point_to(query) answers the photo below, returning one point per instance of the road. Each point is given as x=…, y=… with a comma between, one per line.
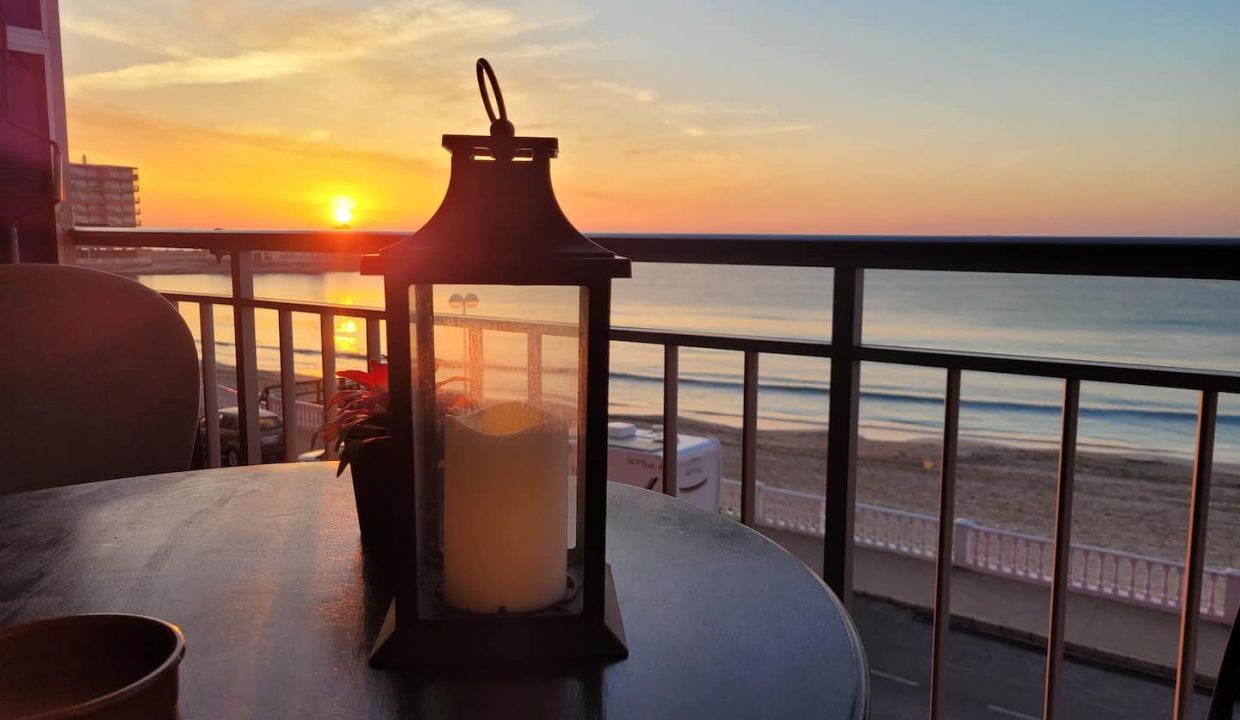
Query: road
x=993, y=679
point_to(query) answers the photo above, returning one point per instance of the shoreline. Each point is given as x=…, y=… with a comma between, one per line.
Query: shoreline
x=889, y=433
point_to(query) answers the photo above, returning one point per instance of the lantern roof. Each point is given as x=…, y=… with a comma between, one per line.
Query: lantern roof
x=499, y=220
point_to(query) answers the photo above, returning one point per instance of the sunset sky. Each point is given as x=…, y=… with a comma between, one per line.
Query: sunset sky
x=908, y=116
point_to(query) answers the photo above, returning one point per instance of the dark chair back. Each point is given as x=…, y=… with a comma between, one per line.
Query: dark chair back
x=98, y=378
x=1227, y=691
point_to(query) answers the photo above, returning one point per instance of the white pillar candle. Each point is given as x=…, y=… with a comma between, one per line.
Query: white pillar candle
x=505, y=509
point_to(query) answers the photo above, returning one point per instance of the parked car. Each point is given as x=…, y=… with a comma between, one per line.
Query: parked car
x=270, y=430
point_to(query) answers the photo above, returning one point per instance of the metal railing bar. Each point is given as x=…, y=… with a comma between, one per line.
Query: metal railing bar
x=482, y=322
x=327, y=336
x=374, y=348
x=534, y=372
x=1217, y=380
x=843, y=420
x=1123, y=256
x=671, y=411
x=288, y=386
x=943, y=562
x=1194, y=560
x=749, y=440
x=1062, y=550
x=225, y=241
x=242, y=266
x=739, y=343
x=210, y=383
x=1196, y=257
x=475, y=362
x=294, y=306
x=730, y=342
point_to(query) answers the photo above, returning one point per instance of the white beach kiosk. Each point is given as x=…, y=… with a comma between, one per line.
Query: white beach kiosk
x=635, y=457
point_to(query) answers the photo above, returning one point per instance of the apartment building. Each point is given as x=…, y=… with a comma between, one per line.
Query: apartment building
x=104, y=195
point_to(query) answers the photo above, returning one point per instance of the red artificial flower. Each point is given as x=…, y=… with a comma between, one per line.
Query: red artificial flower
x=361, y=409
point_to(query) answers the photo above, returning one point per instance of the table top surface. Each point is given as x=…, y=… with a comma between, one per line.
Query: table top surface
x=262, y=569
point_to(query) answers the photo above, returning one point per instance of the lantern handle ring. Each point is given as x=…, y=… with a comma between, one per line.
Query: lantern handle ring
x=500, y=125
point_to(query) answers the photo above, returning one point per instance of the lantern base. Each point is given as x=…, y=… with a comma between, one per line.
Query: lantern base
x=501, y=638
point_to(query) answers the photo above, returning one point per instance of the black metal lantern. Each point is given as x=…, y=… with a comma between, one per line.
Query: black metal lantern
x=499, y=418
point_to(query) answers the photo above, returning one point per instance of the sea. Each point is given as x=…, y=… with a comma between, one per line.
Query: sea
x=1161, y=322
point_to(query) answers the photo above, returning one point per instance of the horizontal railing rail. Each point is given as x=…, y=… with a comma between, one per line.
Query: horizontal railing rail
x=1195, y=257
x=849, y=256
x=317, y=308
x=1082, y=370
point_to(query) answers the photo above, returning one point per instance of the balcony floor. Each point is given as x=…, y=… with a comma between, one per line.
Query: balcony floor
x=993, y=679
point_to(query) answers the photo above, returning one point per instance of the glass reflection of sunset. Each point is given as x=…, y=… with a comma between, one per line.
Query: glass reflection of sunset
x=346, y=335
x=345, y=330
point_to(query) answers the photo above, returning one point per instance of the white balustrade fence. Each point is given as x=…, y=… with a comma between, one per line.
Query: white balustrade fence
x=309, y=414
x=1125, y=577
x=1112, y=574
x=224, y=397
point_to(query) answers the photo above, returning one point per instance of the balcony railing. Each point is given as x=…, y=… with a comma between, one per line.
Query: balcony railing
x=850, y=257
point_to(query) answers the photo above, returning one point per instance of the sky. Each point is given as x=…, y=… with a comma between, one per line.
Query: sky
x=875, y=116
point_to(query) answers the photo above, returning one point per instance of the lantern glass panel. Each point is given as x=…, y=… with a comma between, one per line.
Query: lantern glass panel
x=499, y=418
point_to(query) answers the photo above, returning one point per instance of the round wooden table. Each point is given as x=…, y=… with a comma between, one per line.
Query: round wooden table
x=262, y=569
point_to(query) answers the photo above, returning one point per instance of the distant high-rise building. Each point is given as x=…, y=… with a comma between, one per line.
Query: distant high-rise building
x=104, y=195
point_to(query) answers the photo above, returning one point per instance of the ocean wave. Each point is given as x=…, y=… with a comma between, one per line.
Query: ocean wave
x=1116, y=411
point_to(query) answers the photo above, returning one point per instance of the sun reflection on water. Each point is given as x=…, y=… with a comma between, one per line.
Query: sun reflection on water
x=345, y=333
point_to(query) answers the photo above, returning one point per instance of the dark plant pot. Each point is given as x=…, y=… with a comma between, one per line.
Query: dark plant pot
x=374, y=490
x=104, y=667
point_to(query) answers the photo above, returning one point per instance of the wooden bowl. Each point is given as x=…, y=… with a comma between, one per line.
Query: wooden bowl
x=90, y=666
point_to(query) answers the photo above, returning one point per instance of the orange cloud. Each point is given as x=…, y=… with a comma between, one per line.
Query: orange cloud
x=194, y=177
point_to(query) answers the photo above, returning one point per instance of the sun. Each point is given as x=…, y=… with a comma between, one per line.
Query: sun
x=342, y=211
